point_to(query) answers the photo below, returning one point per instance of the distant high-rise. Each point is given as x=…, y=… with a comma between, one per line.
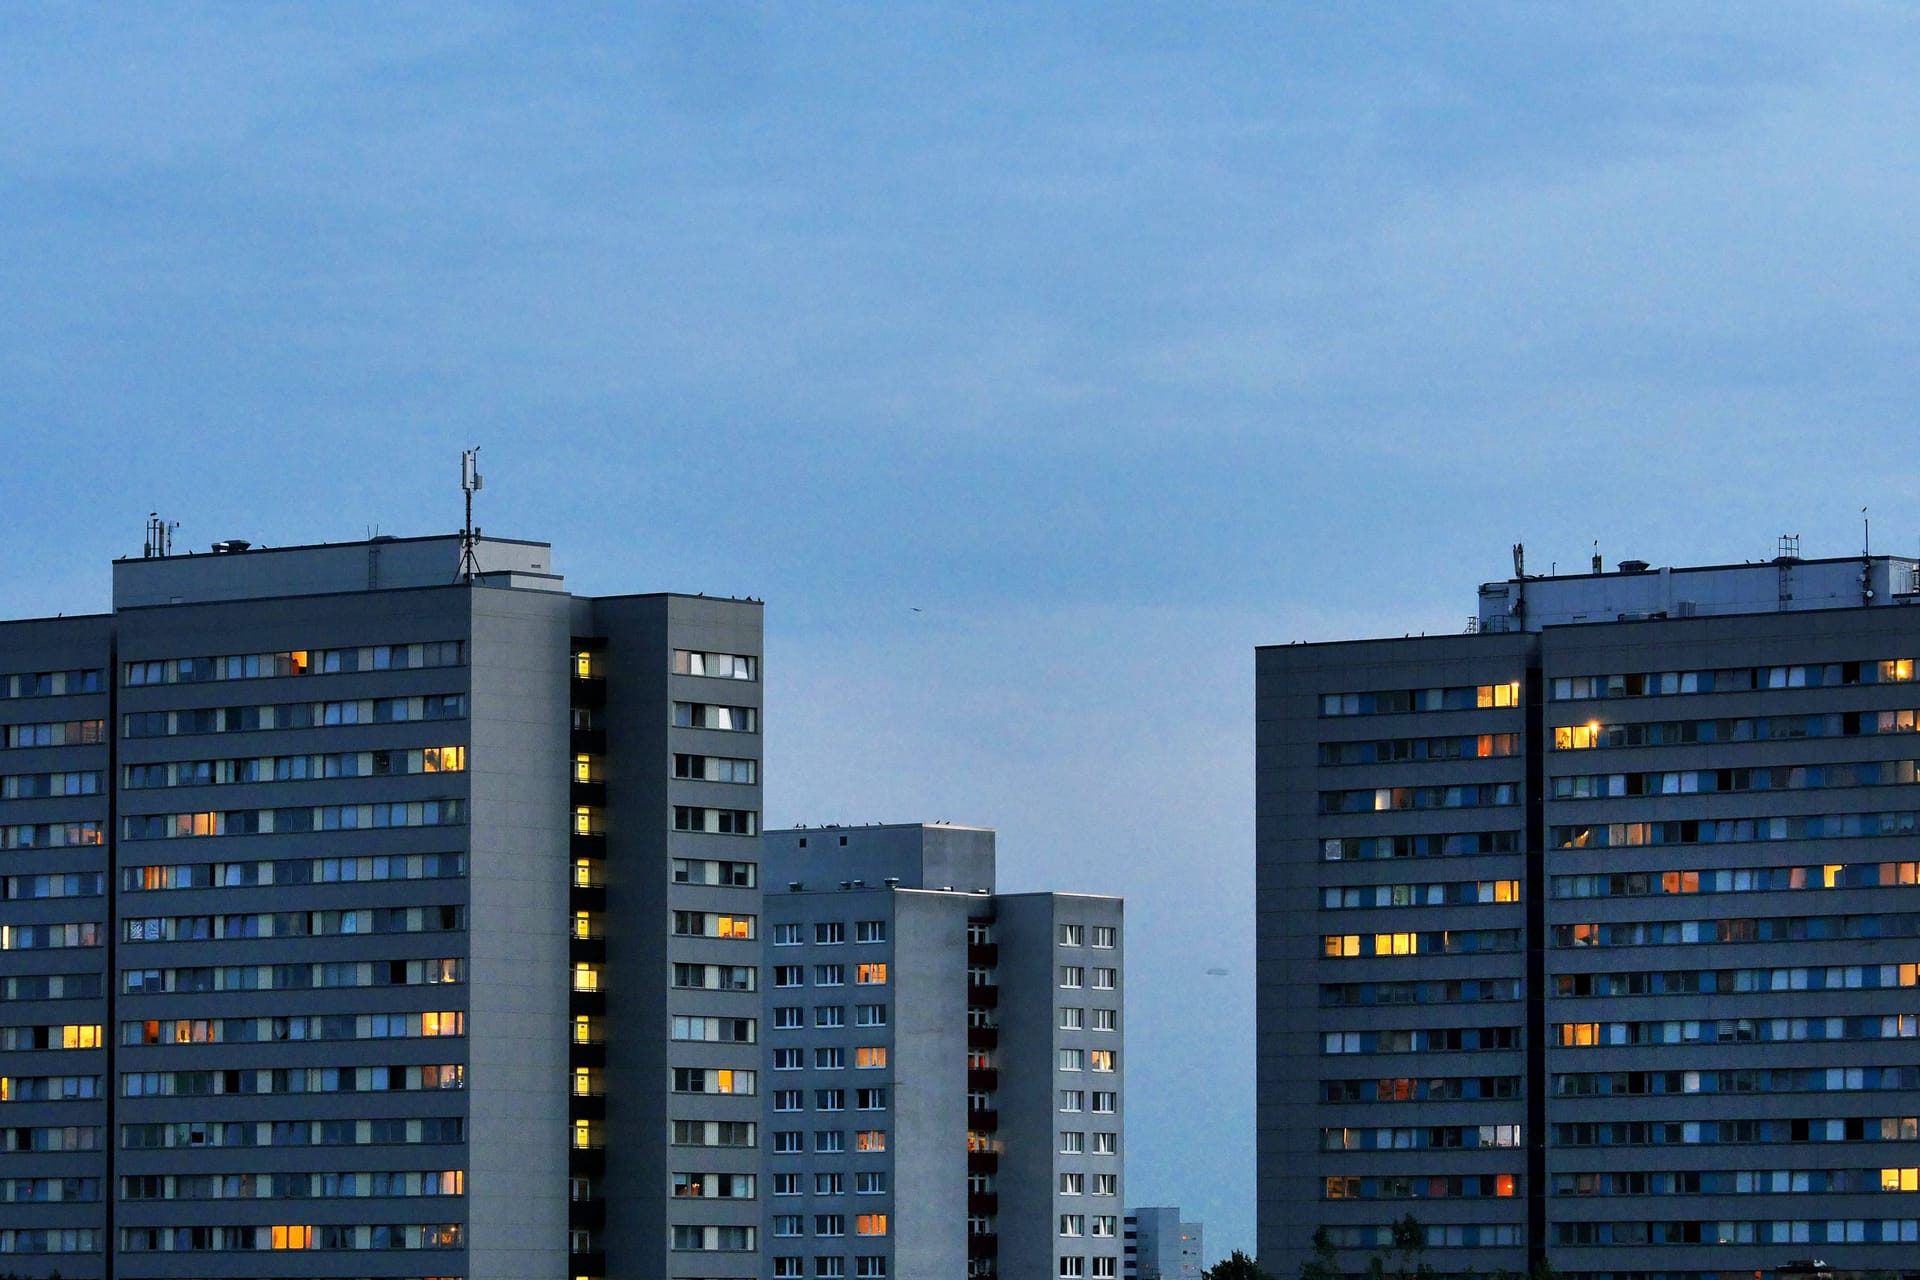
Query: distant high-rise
x=1590, y=934
x=365, y=915
x=944, y=1065
x=1162, y=1247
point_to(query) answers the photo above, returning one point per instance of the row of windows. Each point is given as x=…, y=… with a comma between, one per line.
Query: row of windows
x=406, y=1184
x=830, y=933
x=710, y=715
x=716, y=977
x=49, y=1240
x=50, y=986
x=830, y=1224
x=829, y=1141
x=714, y=769
x=1741, y=1182
x=204, y=875
x=295, y=662
x=1383, y=799
x=1077, y=1184
x=1482, y=746
x=1421, y=1089
x=50, y=835
x=72, y=884
x=1423, y=1040
x=326, y=817
x=39, y=786
x=392, y=1130
x=1687, y=782
x=48, y=1088
x=789, y=1017
x=54, y=733
x=332, y=764
x=1088, y=1059
x=1424, y=1187
x=51, y=684
x=49, y=1190
x=294, y=977
x=714, y=1080
x=715, y=1030
x=1626, y=1133
x=1635, y=1084
x=714, y=1133
x=296, y=924
x=1733, y=1030
x=331, y=1026
x=1074, y=1019
x=866, y=1182
x=1437, y=894
x=1342, y=995
x=830, y=975
x=71, y=1137
x=1649, y=684
x=724, y=666
x=30, y=937
x=68, y=1035
x=1671, y=733
x=734, y=875
x=1655, y=933
x=713, y=1186
x=1456, y=844
x=832, y=1058
x=1105, y=1101
x=1381, y=702
x=1831, y=875
x=1450, y=942
x=288, y=1080
x=1073, y=977
x=719, y=822
x=833, y=1268
x=1642, y=982
x=716, y=1239
x=1075, y=935
x=1764, y=1231
x=829, y=1099
x=1815, y=826
x=711, y=924
x=363, y=1236
x=1468, y=1235
x=294, y=715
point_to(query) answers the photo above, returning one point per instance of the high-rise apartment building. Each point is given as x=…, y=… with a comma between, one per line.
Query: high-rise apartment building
x=365, y=912
x=1591, y=934
x=944, y=1067
x=1159, y=1246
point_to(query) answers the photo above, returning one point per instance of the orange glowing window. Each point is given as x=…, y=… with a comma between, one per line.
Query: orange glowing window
x=293, y=1237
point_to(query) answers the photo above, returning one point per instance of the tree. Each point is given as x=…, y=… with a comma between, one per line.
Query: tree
x=1325, y=1262
x=1237, y=1267
x=1409, y=1242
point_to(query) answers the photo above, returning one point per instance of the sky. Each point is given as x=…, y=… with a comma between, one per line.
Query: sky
x=1032, y=362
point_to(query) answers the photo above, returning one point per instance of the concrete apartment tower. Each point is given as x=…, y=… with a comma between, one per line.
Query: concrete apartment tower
x=1162, y=1247
x=1590, y=934
x=371, y=913
x=944, y=1066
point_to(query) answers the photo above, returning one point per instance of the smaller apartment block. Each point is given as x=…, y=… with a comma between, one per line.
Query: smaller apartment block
x=944, y=1084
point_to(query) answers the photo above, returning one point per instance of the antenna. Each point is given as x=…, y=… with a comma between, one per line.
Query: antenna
x=159, y=536
x=469, y=485
x=1519, y=559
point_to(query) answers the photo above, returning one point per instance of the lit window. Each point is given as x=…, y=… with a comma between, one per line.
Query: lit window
x=872, y=975
x=871, y=1224
x=870, y=1140
x=292, y=1237
x=870, y=1056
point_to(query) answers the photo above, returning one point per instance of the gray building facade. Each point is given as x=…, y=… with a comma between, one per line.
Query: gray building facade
x=1589, y=935
x=1159, y=1246
x=944, y=1069
x=361, y=918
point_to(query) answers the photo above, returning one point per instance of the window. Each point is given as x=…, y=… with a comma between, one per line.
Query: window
x=829, y=1140
x=787, y=1099
x=1105, y=1019
x=708, y=715
x=1072, y=935
x=870, y=931
x=1100, y=1059
x=1105, y=935
x=1106, y=1143
x=829, y=1015
x=723, y=666
x=786, y=935
x=829, y=975
x=1103, y=1267
x=830, y=933
x=1104, y=1102
x=870, y=1057
x=1072, y=976
x=1103, y=979
x=832, y=1058
x=1073, y=1059
x=786, y=1224
x=1073, y=1225
x=788, y=975
x=870, y=975
x=870, y=1266
x=870, y=1140
x=1072, y=1100
x=870, y=1015
x=787, y=1059
x=786, y=1184
x=829, y=1099
x=871, y=1099
x=786, y=1141
x=829, y=1184
x=1071, y=1019
x=829, y=1224
x=786, y=1017
x=1106, y=1184
x=870, y=1182
x=1073, y=1184
x=870, y=1224
x=1072, y=1143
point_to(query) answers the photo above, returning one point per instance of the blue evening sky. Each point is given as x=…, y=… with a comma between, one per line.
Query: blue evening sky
x=1115, y=339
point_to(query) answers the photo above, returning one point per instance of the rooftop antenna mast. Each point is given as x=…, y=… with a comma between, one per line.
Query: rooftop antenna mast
x=469, y=536
x=159, y=536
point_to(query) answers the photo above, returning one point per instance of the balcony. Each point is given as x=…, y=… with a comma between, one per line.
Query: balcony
x=983, y=1121
x=983, y=1246
x=983, y=1162
x=983, y=1204
x=587, y=1106
x=983, y=1037
x=593, y=794
x=983, y=997
x=983, y=955
x=587, y=691
x=587, y=742
x=983, y=1079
